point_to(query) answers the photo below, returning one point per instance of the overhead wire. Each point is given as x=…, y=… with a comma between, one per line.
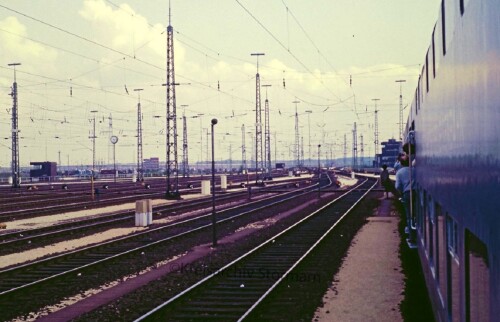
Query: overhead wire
x=286, y=49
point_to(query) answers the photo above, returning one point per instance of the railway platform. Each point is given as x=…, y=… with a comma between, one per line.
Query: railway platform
x=370, y=283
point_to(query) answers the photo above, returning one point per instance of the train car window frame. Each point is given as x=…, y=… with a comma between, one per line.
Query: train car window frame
x=423, y=219
x=441, y=254
x=443, y=27
x=421, y=85
x=433, y=55
x=452, y=270
x=427, y=72
x=452, y=237
x=432, y=234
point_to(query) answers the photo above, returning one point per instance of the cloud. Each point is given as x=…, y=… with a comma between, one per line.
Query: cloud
x=128, y=31
x=17, y=47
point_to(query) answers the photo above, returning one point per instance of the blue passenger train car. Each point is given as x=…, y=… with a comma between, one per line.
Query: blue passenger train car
x=455, y=116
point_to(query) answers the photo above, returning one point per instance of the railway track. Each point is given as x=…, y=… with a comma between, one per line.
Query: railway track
x=28, y=205
x=21, y=240
x=17, y=284
x=236, y=291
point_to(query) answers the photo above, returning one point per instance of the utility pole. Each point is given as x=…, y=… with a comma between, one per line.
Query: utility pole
x=319, y=171
x=230, y=158
x=244, y=166
x=345, y=150
x=401, y=81
x=207, y=137
x=252, y=161
x=309, y=129
x=267, y=131
x=275, y=147
x=15, y=169
x=297, y=136
x=93, y=137
x=354, y=147
x=362, y=150
x=110, y=132
x=259, y=160
x=199, y=115
x=185, y=162
x=172, y=190
x=376, y=130
x=301, y=151
x=140, y=160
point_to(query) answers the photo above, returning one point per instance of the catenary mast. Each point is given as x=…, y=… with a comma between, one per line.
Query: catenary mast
x=259, y=156
x=16, y=176
x=400, y=81
x=140, y=159
x=171, y=118
x=297, y=136
x=267, y=131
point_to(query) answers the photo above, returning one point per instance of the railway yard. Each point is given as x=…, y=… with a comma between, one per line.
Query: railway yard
x=65, y=258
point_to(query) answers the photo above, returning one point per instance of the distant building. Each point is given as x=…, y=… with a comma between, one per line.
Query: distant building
x=43, y=169
x=151, y=164
x=389, y=155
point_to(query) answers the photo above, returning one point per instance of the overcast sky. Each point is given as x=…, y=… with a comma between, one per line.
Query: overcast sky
x=334, y=57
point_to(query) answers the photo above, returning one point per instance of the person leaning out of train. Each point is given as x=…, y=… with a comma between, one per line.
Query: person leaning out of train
x=397, y=164
x=405, y=184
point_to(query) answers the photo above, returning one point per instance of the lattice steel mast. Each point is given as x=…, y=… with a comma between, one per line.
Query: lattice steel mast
x=259, y=159
x=400, y=81
x=185, y=162
x=171, y=118
x=354, y=147
x=362, y=150
x=243, y=150
x=376, y=130
x=140, y=160
x=16, y=176
x=297, y=136
x=267, y=131
x=345, y=150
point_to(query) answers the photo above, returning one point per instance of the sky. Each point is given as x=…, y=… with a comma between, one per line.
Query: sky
x=82, y=59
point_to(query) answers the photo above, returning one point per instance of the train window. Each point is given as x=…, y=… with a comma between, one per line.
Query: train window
x=427, y=72
x=421, y=85
x=433, y=56
x=443, y=29
x=423, y=216
x=418, y=96
x=430, y=231
x=453, y=270
x=477, y=274
x=441, y=252
x=463, y=4
x=416, y=100
x=452, y=236
x=418, y=209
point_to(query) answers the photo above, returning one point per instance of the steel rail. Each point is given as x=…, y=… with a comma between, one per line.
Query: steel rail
x=270, y=243
x=7, y=286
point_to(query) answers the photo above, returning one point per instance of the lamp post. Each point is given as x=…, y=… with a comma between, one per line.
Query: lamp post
x=114, y=140
x=214, y=235
x=319, y=172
